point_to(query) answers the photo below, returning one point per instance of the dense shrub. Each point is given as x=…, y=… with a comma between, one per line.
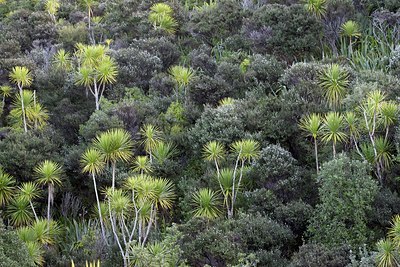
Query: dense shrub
x=288, y=32
x=244, y=235
x=136, y=67
x=208, y=90
x=315, y=255
x=216, y=22
x=163, y=48
x=278, y=171
x=20, y=152
x=221, y=124
x=13, y=252
x=264, y=72
x=347, y=192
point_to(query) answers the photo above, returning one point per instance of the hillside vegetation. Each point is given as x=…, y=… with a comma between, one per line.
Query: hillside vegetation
x=199, y=133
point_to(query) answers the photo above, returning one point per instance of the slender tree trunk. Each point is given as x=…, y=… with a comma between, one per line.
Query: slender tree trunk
x=116, y=235
x=103, y=232
x=350, y=48
x=230, y=214
x=96, y=95
x=33, y=209
x=357, y=148
x=113, y=175
x=226, y=198
x=49, y=200
x=34, y=103
x=386, y=133
x=316, y=154
x=334, y=149
x=23, y=108
x=234, y=195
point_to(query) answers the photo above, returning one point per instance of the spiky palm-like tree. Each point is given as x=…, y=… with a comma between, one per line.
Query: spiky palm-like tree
x=96, y=70
x=151, y=135
x=7, y=183
x=205, y=202
x=35, y=251
x=30, y=191
x=52, y=7
x=141, y=165
x=334, y=81
x=114, y=145
x=214, y=152
x=333, y=130
x=352, y=125
x=245, y=150
x=89, y=4
x=49, y=173
x=162, y=197
x=388, y=249
x=163, y=151
x=164, y=194
x=389, y=115
x=35, y=114
x=93, y=163
x=316, y=7
x=62, y=60
x=182, y=76
x=383, y=149
x=312, y=125
x=161, y=16
x=387, y=254
x=19, y=211
x=22, y=77
x=370, y=109
x=351, y=30
x=5, y=92
x=226, y=101
x=45, y=231
x=226, y=180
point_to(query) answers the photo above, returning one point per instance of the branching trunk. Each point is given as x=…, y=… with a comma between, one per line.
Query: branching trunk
x=234, y=195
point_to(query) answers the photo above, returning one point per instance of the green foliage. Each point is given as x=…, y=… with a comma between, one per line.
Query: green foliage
x=221, y=124
x=7, y=183
x=244, y=235
x=36, y=115
x=350, y=29
x=114, y=145
x=315, y=255
x=316, y=7
x=13, y=252
x=288, y=32
x=335, y=82
x=346, y=194
x=19, y=211
x=222, y=98
x=136, y=67
x=161, y=17
x=277, y=170
x=215, y=22
x=32, y=148
x=165, y=252
x=206, y=204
